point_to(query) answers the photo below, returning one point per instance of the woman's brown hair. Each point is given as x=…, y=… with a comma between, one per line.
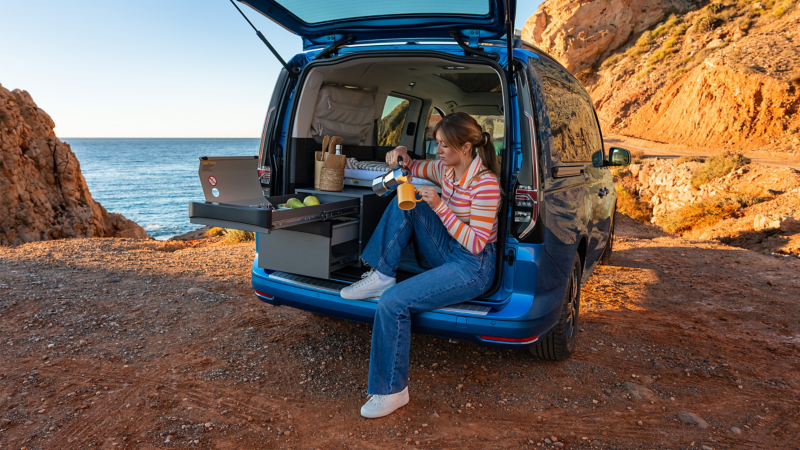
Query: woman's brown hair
x=458, y=129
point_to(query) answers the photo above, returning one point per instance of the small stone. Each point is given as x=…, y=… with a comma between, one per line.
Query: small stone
x=196, y=291
x=692, y=419
x=558, y=444
x=640, y=423
x=5, y=421
x=638, y=391
x=736, y=431
x=547, y=440
x=287, y=433
x=705, y=447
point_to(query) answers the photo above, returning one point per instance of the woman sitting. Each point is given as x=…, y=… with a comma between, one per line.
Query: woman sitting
x=457, y=235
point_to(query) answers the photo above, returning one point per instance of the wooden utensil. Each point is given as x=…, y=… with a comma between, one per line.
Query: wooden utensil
x=335, y=161
x=325, y=141
x=320, y=162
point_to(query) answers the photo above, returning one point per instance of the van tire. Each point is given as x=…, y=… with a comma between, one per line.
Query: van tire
x=605, y=258
x=560, y=343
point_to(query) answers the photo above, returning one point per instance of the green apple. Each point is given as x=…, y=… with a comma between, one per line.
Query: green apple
x=295, y=203
x=311, y=201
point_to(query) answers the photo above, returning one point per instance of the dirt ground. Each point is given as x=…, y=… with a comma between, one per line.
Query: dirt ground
x=115, y=343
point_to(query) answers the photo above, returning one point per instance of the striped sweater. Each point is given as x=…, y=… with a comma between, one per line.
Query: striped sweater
x=469, y=207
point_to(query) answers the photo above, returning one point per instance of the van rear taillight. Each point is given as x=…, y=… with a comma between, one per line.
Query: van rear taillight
x=267, y=296
x=525, y=340
x=525, y=210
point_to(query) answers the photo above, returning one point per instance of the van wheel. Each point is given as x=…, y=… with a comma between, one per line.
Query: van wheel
x=560, y=343
x=605, y=258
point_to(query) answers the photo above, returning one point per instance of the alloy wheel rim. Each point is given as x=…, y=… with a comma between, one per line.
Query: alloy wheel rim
x=572, y=311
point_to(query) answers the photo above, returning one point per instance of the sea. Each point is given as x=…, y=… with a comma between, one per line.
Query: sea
x=151, y=181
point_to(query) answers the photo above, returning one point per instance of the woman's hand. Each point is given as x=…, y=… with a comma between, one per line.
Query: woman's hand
x=391, y=156
x=430, y=196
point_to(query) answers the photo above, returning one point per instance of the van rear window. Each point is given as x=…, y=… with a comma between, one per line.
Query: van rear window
x=318, y=11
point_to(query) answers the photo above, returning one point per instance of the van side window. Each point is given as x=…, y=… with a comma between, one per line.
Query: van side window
x=434, y=117
x=495, y=126
x=392, y=122
x=572, y=122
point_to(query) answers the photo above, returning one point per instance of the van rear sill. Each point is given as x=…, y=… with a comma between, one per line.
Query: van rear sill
x=313, y=283
x=334, y=288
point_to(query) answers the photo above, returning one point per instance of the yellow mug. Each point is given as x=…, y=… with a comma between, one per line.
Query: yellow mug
x=407, y=196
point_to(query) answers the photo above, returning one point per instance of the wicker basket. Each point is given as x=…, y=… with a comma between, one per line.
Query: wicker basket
x=331, y=179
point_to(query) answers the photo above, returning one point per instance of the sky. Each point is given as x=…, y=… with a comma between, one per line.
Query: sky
x=147, y=68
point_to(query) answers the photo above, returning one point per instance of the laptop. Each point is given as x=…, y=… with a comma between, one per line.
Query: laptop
x=232, y=180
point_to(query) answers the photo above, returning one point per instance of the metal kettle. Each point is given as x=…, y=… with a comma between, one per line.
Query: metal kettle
x=386, y=183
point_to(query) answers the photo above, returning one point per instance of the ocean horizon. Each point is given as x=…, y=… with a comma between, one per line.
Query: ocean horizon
x=151, y=180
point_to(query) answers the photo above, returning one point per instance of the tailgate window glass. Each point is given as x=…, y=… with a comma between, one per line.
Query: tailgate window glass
x=392, y=121
x=317, y=11
x=572, y=122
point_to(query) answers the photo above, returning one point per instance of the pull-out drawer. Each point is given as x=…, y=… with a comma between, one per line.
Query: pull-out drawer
x=255, y=215
x=312, y=249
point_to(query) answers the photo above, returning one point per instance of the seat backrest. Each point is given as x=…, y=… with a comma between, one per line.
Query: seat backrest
x=345, y=112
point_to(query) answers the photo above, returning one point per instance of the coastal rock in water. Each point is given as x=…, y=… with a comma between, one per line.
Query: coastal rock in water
x=43, y=194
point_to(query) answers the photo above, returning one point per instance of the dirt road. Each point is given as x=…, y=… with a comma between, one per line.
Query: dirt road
x=101, y=346
x=651, y=149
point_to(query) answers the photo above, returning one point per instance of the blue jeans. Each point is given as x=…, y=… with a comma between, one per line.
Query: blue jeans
x=457, y=276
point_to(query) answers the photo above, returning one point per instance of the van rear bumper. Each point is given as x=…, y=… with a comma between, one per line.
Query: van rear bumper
x=482, y=330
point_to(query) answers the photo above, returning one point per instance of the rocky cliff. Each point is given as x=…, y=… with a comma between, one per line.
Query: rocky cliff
x=581, y=33
x=712, y=75
x=42, y=192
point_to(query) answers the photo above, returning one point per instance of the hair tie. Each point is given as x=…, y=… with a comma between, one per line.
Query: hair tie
x=486, y=139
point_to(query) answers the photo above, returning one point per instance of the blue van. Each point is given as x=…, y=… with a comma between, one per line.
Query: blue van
x=380, y=74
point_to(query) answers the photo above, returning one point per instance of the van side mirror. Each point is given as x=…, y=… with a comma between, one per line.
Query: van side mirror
x=618, y=157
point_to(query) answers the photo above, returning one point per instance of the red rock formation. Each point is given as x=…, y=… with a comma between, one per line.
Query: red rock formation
x=581, y=33
x=719, y=76
x=43, y=194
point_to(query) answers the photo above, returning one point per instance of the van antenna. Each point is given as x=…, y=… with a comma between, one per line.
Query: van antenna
x=265, y=41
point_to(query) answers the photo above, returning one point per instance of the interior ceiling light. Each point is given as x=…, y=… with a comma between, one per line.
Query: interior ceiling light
x=412, y=84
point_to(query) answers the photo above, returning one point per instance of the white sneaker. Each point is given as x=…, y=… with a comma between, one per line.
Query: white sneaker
x=383, y=405
x=370, y=286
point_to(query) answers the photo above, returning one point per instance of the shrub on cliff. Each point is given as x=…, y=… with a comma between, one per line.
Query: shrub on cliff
x=718, y=166
x=214, y=232
x=642, y=45
x=628, y=204
x=705, y=213
x=238, y=236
